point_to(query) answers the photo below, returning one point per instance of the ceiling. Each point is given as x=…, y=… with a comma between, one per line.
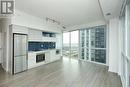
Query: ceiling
x=111, y=6
x=68, y=12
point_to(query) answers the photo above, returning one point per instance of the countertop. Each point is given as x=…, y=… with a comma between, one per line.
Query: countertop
x=41, y=51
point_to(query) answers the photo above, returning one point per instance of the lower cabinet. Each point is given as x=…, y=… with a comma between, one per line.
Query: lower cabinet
x=31, y=60
x=47, y=58
x=54, y=56
x=50, y=56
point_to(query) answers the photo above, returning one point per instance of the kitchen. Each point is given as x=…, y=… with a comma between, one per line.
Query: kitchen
x=29, y=46
x=38, y=47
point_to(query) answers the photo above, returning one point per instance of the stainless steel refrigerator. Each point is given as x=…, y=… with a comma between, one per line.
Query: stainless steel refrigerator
x=20, y=53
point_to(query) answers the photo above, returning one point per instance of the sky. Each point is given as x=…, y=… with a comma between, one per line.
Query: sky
x=74, y=37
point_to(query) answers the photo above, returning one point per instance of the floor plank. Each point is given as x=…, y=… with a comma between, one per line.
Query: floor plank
x=63, y=73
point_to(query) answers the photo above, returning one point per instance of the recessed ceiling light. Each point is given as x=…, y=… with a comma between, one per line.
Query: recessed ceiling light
x=108, y=14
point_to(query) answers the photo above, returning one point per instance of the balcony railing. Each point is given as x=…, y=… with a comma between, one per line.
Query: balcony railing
x=71, y=52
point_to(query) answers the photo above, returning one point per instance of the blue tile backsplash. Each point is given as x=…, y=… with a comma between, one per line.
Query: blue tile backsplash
x=38, y=46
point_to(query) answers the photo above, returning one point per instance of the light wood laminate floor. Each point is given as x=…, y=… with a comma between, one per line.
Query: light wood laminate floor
x=63, y=73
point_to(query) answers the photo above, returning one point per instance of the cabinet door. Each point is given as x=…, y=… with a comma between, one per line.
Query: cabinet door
x=53, y=55
x=19, y=29
x=47, y=57
x=58, y=56
x=35, y=35
x=31, y=60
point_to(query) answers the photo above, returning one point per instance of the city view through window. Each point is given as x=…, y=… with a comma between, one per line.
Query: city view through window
x=93, y=44
x=86, y=44
x=71, y=44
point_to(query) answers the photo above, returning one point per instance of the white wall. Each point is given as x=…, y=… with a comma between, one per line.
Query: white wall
x=91, y=24
x=27, y=20
x=5, y=44
x=113, y=45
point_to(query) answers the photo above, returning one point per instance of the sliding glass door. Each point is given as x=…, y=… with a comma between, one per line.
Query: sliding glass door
x=66, y=44
x=90, y=43
x=71, y=44
x=93, y=44
x=74, y=43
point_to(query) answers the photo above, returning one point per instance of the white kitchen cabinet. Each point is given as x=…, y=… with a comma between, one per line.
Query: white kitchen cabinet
x=50, y=56
x=54, y=56
x=47, y=57
x=19, y=29
x=31, y=60
x=35, y=35
x=58, y=41
x=57, y=56
x=49, y=39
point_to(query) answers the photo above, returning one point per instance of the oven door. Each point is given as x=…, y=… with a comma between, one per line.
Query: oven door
x=40, y=57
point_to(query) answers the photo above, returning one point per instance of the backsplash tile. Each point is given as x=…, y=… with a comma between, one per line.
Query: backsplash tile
x=37, y=46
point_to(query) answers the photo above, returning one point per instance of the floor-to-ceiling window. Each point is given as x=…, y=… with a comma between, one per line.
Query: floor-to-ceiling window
x=71, y=44
x=84, y=44
x=93, y=44
x=128, y=42
x=125, y=51
x=66, y=44
x=74, y=43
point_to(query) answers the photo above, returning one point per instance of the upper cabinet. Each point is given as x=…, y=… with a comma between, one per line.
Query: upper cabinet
x=49, y=37
x=42, y=36
x=48, y=34
x=39, y=35
x=34, y=35
x=19, y=29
